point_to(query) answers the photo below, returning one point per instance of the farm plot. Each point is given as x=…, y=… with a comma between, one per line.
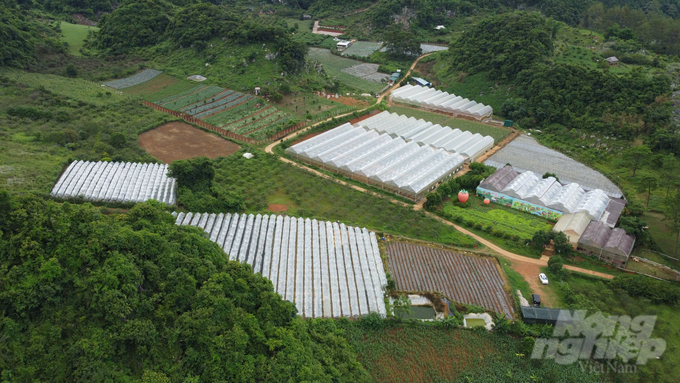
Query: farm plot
x=232, y=111
x=160, y=87
x=333, y=65
x=367, y=72
x=116, y=182
x=362, y=49
x=179, y=141
x=326, y=269
x=143, y=76
x=461, y=278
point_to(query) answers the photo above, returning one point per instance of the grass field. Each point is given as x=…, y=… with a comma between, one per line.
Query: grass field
x=594, y=295
x=74, y=88
x=265, y=180
x=74, y=35
x=474, y=127
x=425, y=353
x=333, y=66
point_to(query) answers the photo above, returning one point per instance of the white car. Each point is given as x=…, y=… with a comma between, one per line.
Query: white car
x=543, y=278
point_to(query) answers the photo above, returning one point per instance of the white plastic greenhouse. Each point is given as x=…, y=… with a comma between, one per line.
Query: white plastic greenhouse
x=442, y=101
x=548, y=192
x=116, y=182
x=467, y=144
x=327, y=270
x=374, y=158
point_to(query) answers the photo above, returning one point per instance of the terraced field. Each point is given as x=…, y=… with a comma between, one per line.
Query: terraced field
x=233, y=111
x=462, y=278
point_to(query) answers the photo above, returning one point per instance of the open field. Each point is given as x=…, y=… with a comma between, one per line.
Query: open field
x=265, y=180
x=333, y=65
x=179, y=141
x=461, y=278
x=160, y=87
x=74, y=35
x=75, y=88
x=362, y=49
x=416, y=353
x=474, y=127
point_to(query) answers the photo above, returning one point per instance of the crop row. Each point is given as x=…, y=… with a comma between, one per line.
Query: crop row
x=462, y=278
x=182, y=94
x=228, y=105
x=236, y=113
x=210, y=105
x=271, y=129
x=194, y=97
x=499, y=219
x=137, y=79
x=264, y=120
x=249, y=118
x=217, y=97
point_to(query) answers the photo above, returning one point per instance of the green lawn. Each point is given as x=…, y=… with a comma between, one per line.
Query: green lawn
x=474, y=127
x=74, y=35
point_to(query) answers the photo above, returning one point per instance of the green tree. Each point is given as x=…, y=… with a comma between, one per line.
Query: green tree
x=71, y=70
x=399, y=42
x=555, y=264
x=401, y=306
x=646, y=182
x=91, y=297
x=673, y=211
x=562, y=245
x=540, y=239
x=636, y=156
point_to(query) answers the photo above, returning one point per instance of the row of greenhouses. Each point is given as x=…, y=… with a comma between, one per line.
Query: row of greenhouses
x=116, y=182
x=431, y=98
x=546, y=192
x=469, y=145
x=402, y=167
x=326, y=269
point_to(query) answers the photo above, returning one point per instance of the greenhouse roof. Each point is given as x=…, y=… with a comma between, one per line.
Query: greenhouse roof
x=500, y=179
x=620, y=242
x=596, y=234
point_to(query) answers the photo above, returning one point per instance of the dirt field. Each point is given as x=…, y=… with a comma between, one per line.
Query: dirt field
x=277, y=208
x=179, y=141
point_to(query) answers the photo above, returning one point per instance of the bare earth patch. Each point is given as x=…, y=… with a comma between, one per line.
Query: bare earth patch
x=179, y=141
x=277, y=208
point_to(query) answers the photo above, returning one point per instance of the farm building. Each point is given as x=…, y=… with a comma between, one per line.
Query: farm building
x=613, y=60
x=421, y=81
x=326, y=269
x=609, y=245
x=430, y=98
x=540, y=315
x=573, y=225
x=343, y=44
x=405, y=168
x=116, y=182
x=471, y=146
x=547, y=197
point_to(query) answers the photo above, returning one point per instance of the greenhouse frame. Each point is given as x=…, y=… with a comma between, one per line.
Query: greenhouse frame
x=469, y=145
x=609, y=245
x=326, y=269
x=404, y=168
x=116, y=182
x=438, y=100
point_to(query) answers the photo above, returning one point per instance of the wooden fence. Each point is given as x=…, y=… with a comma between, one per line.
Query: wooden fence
x=223, y=132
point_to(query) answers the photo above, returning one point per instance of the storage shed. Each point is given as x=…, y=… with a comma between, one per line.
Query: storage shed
x=421, y=81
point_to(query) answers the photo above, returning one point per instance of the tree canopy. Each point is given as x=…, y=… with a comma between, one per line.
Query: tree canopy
x=91, y=297
x=504, y=45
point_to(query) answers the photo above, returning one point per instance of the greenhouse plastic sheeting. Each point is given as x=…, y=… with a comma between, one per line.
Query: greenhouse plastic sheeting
x=325, y=269
x=114, y=182
x=436, y=99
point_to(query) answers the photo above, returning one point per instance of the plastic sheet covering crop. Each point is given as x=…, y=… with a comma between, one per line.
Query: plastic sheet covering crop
x=115, y=182
x=326, y=269
x=443, y=101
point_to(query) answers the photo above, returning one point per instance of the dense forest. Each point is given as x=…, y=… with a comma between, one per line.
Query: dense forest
x=90, y=297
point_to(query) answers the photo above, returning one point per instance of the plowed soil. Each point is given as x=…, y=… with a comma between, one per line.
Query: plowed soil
x=277, y=208
x=179, y=141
